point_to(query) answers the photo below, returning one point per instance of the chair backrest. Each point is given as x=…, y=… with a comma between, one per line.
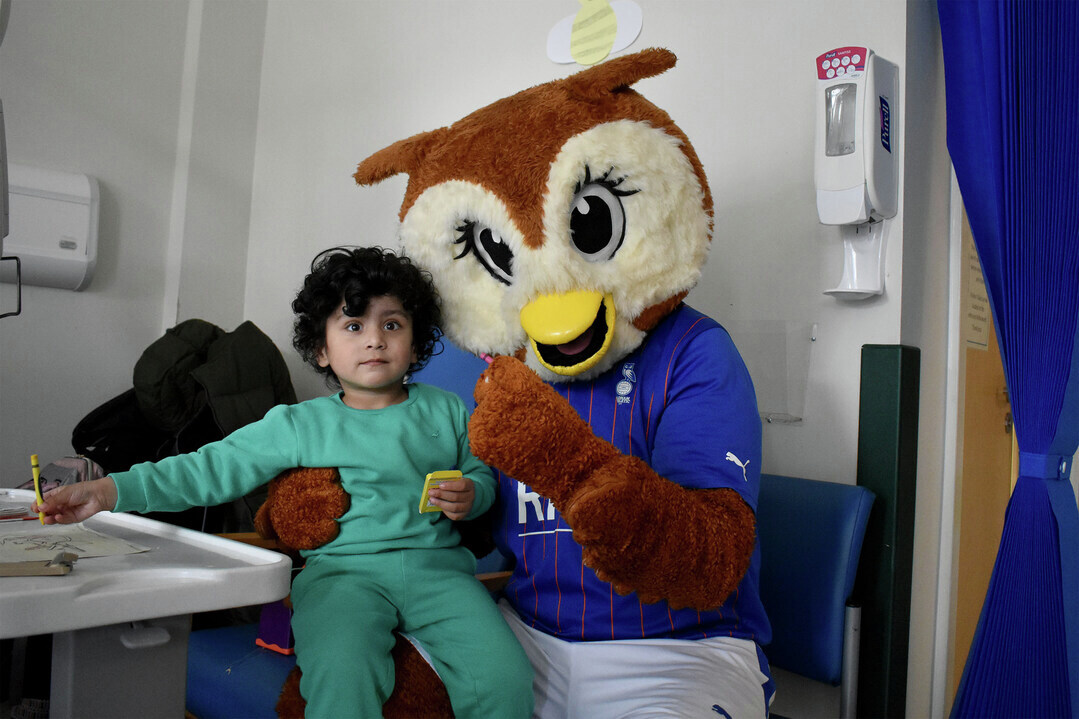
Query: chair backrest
x=811, y=537
x=454, y=370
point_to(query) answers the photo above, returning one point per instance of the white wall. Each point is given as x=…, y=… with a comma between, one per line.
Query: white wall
x=216, y=207
x=91, y=88
x=927, y=188
x=99, y=88
x=264, y=134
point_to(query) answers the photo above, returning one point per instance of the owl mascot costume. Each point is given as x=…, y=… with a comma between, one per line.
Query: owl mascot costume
x=563, y=227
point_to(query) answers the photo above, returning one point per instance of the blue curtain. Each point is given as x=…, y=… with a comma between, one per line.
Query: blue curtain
x=1012, y=81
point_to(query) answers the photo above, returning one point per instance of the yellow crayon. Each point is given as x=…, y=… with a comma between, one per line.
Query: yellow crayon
x=37, y=485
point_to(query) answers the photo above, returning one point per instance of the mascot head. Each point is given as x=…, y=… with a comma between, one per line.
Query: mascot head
x=560, y=224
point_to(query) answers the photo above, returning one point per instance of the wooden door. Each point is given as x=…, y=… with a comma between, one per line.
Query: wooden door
x=986, y=477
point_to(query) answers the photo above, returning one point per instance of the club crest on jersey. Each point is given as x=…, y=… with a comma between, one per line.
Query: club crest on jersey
x=624, y=388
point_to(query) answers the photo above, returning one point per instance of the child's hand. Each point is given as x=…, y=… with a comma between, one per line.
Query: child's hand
x=455, y=497
x=76, y=502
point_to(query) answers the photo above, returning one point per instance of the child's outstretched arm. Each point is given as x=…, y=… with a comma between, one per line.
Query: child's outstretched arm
x=455, y=497
x=77, y=502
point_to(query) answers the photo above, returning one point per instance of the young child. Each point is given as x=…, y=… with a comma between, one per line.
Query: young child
x=365, y=318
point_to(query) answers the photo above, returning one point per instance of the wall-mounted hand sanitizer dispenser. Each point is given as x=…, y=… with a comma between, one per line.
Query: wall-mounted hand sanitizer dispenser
x=855, y=167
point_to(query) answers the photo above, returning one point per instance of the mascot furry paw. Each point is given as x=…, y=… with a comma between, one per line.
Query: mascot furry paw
x=564, y=226
x=300, y=512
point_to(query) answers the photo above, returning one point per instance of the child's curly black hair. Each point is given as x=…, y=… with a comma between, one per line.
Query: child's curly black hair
x=355, y=275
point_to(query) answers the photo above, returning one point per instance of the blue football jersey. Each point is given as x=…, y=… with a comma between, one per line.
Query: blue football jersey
x=684, y=403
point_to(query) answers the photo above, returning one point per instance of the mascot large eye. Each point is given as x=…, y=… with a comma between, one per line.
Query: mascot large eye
x=597, y=223
x=489, y=248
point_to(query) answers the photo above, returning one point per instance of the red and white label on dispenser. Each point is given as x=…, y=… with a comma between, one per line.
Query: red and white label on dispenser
x=840, y=62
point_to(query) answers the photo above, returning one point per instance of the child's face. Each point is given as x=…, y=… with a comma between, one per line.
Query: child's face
x=370, y=354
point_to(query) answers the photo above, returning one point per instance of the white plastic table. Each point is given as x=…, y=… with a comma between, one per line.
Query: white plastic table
x=120, y=624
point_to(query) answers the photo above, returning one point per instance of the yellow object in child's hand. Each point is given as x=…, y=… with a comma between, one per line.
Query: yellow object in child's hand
x=37, y=485
x=433, y=480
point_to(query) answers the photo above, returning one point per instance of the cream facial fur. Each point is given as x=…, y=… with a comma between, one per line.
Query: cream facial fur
x=665, y=243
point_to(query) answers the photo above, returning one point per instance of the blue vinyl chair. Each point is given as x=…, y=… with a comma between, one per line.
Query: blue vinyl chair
x=454, y=370
x=229, y=677
x=811, y=536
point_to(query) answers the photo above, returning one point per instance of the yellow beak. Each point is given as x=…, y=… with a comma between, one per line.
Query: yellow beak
x=563, y=329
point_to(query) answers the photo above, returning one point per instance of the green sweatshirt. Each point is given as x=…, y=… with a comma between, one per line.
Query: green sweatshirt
x=383, y=456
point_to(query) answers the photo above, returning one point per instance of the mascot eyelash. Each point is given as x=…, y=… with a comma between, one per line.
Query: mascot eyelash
x=489, y=249
x=604, y=179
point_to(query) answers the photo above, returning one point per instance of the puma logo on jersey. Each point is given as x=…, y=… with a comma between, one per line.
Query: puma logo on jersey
x=732, y=458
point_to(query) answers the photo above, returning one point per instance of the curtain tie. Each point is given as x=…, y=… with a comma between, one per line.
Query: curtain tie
x=1044, y=466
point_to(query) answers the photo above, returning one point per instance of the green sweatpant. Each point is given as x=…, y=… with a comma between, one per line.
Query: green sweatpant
x=345, y=609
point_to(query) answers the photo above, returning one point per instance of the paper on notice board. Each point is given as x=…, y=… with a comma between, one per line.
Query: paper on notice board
x=977, y=315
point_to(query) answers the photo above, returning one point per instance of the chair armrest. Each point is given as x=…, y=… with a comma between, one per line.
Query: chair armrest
x=254, y=539
x=494, y=581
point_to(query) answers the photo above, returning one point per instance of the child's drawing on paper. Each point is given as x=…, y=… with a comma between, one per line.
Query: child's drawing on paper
x=51, y=543
x=35, y=543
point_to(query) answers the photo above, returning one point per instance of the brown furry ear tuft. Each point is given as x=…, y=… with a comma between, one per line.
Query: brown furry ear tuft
x=621, y=72
x=402, y=156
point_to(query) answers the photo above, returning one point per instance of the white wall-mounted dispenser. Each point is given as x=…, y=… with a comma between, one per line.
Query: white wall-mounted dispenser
x=856, y=168
x=53, y=227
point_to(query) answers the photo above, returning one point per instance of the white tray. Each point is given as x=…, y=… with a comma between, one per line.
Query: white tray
x=184, y=572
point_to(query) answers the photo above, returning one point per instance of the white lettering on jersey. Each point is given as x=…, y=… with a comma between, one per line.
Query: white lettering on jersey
x=524, y=498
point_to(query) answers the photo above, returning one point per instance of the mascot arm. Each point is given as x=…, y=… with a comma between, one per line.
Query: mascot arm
x=302, y=507
x=643, y=533
x=639, y=531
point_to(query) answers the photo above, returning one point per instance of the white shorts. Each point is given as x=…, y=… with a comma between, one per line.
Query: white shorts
x=639, y=678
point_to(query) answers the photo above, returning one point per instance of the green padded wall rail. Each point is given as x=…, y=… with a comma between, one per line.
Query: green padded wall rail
x=887, y=465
